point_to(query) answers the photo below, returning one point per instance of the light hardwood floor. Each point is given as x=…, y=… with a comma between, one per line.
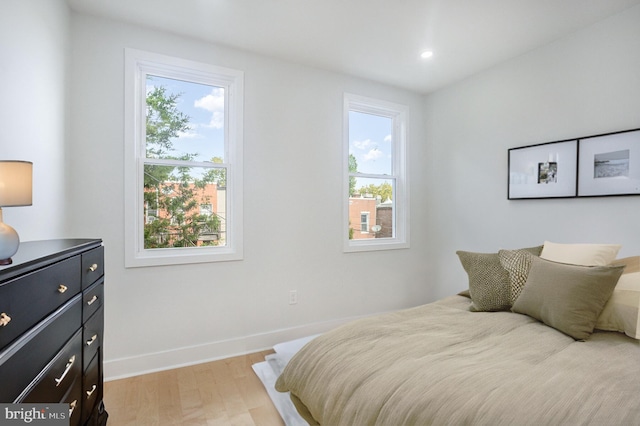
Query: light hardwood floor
x=225, y=392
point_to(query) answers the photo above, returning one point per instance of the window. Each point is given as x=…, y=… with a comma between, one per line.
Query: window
x=364, y=222
x=206, y=209
x=376, y=206
x=183, y=164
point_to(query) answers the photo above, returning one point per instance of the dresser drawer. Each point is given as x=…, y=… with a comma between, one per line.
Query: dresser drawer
x=23, y=360
x=92, y=300
x=58, y=377
x=73, y=397
x=92, y=266
x=26, y=300
x=92, y=389
x=92, y=336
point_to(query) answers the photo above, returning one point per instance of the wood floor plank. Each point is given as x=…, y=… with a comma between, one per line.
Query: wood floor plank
x=219, y=393
x=265, y=415
x=169, y=404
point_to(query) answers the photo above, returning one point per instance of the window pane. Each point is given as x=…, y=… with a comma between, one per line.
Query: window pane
x=184, y=206
x=370, y=142
x=185, y=120
x=364, y=222
x=371, y=209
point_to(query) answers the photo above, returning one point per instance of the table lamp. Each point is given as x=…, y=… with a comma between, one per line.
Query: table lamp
x=15, y=190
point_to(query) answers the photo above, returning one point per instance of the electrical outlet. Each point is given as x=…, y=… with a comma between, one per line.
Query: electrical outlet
x=293, y=297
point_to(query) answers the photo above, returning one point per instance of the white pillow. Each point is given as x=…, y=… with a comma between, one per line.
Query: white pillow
x=580, y=254
x=622, y=311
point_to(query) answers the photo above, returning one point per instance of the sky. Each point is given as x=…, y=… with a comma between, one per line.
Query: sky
x=205, y=107
x=370, y=142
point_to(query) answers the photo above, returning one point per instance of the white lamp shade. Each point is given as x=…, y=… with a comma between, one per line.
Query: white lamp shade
x=15, y=183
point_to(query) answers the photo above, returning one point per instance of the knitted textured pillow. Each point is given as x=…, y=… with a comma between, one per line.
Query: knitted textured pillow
x=517, y=264
x=488, y=281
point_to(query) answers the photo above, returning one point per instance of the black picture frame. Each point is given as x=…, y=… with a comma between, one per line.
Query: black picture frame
x=546, y=170
x=609, y=164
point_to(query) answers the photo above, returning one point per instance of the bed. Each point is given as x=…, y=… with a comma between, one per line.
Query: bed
x=565, y=351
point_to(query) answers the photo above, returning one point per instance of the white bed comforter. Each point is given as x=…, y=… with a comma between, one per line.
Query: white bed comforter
x=441, y=364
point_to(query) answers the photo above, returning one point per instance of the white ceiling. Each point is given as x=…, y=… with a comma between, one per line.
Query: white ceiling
x=379, y=40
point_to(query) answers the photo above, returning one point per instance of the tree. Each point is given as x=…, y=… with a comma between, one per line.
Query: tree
x=164, y=122
x=217, y=175
x=353, y=168
x=384, y=191
x=172, y=194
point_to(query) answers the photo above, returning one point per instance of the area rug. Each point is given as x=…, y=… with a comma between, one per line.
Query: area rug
x=269, y=370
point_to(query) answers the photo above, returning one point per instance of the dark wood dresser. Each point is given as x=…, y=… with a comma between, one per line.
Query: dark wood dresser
x=51, y=324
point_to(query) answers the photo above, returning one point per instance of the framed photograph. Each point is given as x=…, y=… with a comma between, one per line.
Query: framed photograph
x=609, y=164
x=543, y=171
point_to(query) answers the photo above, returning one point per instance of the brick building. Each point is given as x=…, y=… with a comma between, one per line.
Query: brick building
x=370, y=218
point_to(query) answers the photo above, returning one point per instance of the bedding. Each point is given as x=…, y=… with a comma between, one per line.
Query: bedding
x=622, y=310
x=580, y=254
x=441, y=363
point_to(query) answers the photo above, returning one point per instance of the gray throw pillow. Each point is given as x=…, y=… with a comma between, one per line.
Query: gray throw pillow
x=567, y=297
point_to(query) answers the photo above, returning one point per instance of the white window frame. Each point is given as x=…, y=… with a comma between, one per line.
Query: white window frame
x=399, y=115
x=139, y=64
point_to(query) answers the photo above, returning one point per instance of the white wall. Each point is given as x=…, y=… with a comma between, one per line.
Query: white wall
x=582, y=85
x=34, y=56
x=164, y=316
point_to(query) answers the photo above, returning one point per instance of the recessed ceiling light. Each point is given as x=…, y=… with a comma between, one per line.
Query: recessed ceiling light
x=426, y=54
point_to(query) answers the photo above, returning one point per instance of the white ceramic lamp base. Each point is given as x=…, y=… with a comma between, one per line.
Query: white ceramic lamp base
x=9, y=243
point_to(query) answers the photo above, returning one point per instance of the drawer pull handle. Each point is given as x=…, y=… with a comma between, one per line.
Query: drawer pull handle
x=93, y=339
x=4, y=319
x=62, y=288
x=90, y=392
x=93, y=267
x=72, y=406
x=66, y=370
x=93, y=299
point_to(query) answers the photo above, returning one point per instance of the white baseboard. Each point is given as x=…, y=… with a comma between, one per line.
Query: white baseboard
x=181, y=357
